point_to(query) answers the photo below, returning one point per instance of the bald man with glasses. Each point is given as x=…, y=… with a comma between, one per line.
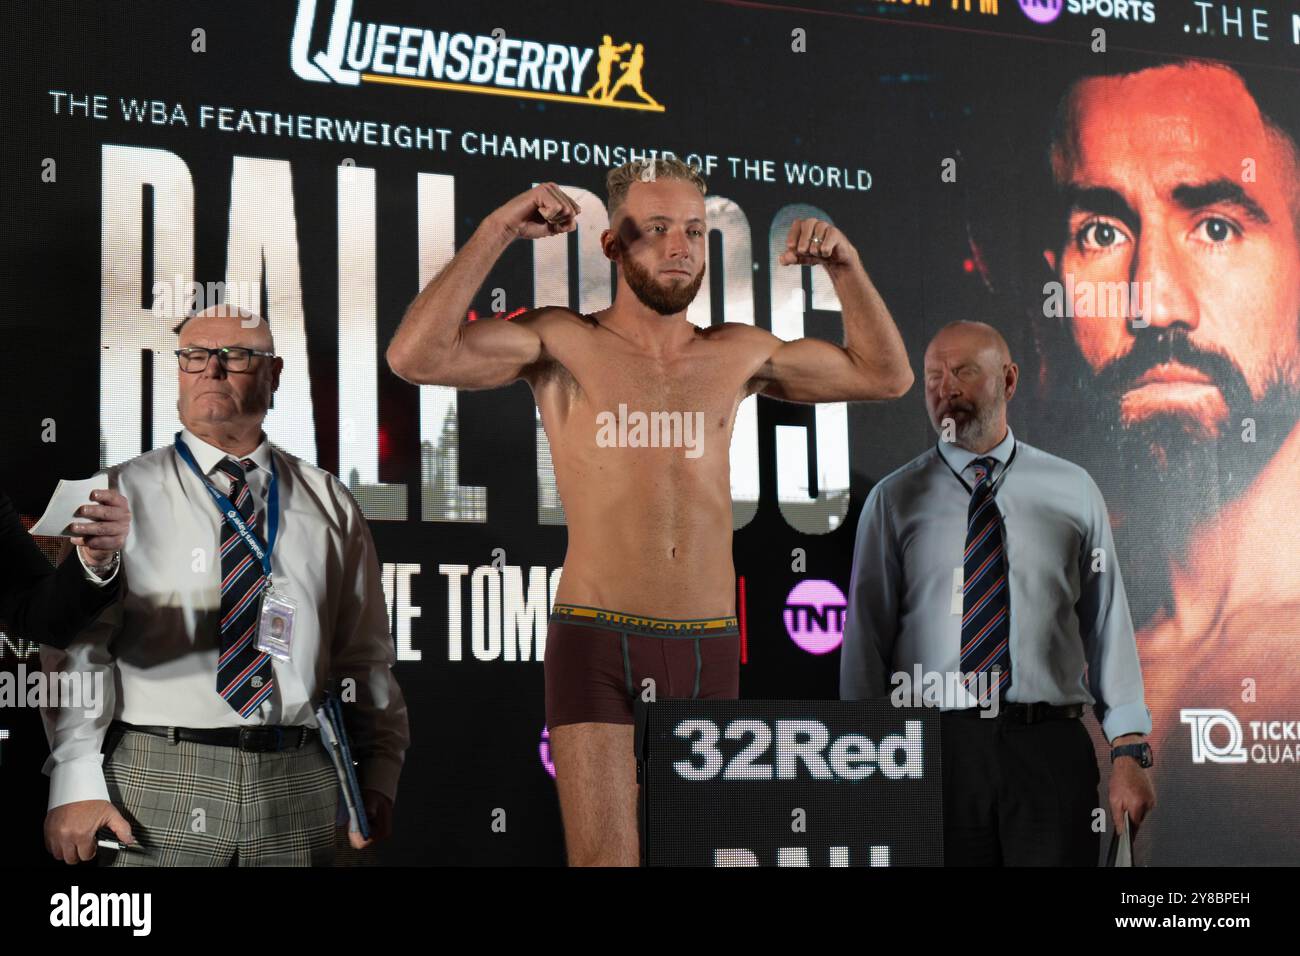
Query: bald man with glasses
x=207, y=751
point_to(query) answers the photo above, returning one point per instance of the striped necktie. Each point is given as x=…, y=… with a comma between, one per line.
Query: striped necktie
x=986, y=605
x=243, y=672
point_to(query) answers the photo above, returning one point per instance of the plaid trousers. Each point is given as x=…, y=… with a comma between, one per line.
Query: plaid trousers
x=192, y=804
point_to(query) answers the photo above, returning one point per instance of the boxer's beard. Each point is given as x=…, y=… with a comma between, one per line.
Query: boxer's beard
x=666, y=300
x=1161, y=476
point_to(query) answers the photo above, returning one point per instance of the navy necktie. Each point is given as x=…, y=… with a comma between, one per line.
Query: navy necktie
x=986, y=605
x=243, y=672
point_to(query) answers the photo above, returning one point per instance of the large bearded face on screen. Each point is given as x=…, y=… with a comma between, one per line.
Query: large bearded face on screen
x=1178, y=252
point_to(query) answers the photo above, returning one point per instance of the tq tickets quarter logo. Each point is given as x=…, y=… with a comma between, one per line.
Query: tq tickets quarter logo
x=610, y=74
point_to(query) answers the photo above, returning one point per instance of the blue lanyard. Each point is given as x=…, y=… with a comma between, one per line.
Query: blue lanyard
x=231, y=513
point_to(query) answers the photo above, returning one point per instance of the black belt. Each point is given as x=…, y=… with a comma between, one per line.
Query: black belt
x=254, y=739
x=1025, y=713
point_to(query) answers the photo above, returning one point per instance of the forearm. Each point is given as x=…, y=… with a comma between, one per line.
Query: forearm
x=431, y=326
x=870, y=335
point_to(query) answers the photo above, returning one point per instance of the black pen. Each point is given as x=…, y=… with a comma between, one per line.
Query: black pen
x=109, y=843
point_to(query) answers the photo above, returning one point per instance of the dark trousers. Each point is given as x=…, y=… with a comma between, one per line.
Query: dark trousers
x=1018, y=794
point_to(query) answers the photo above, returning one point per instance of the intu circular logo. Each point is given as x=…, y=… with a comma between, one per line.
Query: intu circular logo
x=814, y=616
x=1041, y=11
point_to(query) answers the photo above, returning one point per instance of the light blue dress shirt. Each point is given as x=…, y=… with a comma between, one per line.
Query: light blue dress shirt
x=904, y=604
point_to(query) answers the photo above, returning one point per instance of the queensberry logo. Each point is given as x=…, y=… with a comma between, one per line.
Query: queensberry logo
x=609, y=74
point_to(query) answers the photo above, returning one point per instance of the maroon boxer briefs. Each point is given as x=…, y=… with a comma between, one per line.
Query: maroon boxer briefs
x=596, y=661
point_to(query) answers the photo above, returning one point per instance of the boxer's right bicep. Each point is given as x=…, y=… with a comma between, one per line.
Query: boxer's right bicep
x=489, y=352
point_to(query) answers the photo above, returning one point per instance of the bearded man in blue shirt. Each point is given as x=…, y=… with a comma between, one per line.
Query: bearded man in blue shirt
x=986, y=570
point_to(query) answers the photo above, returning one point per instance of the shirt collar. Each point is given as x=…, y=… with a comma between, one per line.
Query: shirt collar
x=209, y=455
x=959, y=458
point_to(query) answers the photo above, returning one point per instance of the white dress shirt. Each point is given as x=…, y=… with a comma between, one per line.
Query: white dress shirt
x=157, y=645
x=1069, y=613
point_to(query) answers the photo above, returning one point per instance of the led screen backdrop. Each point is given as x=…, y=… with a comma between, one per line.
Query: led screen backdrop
x=319, y=160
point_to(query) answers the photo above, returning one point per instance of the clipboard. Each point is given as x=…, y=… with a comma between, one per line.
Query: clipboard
x=1121, y=845
x=329, y=715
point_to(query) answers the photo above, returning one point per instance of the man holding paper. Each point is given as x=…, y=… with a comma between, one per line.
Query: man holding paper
x=211, y=751
x=51, y=606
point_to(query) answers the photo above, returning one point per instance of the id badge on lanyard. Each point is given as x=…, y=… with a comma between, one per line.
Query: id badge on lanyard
x=275, y=624
x=276, y=610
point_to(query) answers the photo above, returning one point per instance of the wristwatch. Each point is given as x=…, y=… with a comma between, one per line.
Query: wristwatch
x=1139, y=752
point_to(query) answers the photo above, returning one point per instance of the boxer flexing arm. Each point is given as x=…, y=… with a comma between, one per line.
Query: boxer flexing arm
x=872, y=364
x=434, y=345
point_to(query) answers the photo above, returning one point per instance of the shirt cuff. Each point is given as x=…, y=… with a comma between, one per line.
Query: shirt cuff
x=95, y=578
x=1132, y=718
x=80, y=779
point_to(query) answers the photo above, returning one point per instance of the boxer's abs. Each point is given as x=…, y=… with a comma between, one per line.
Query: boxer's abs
x=659, y=548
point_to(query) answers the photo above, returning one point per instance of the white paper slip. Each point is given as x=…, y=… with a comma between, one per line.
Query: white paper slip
x=61, y=511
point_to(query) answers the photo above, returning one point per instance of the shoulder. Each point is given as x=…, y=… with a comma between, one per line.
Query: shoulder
x=902, y=485
x=1057, y=468
x=311, y=490
x=313, y=486
x=908, y=476
x=554, y=318
x=1068, y=483
x=150, y=466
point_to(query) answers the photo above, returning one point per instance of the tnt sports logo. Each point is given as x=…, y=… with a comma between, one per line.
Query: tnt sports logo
x=1133, y=11
x=1204, y=746
x=358, y=52
x=814, y=616
x=1041, y=11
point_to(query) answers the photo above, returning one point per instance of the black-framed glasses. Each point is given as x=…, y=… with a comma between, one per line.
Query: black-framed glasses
x=232, y=358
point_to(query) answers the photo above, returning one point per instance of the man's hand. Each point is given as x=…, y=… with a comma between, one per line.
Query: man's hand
x=1131, y=788
x=545, y=210
x=379, y=809
x=70, y=829
x=100, y=538
x=814, y=242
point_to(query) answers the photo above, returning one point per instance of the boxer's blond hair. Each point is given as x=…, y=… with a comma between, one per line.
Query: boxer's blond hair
x=620, y=178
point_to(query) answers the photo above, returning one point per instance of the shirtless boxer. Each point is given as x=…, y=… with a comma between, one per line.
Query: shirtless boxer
x=648, y=587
